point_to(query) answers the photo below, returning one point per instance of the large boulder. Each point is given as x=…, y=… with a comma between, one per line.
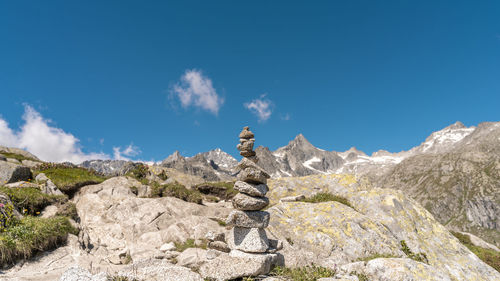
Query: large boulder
x=114, y=220
x=374, y=223
x=10, y=172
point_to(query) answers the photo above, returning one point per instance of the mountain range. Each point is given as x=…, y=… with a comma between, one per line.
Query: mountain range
x=454, y=173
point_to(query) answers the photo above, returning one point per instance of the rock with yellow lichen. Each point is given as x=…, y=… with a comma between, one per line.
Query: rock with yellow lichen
x=393, y=236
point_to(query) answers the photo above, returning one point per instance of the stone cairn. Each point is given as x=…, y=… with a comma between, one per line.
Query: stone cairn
x=248, y=221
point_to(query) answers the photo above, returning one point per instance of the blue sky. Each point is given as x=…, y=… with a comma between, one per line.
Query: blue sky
x=85, y=77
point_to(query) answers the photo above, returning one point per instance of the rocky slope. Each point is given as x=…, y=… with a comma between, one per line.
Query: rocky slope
x=214, y=165
x=460, y=185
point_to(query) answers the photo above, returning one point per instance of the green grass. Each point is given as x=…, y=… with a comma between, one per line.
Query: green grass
x=31, y=200
x=326, y=197
x=361, y=276
x=120, y=278
x=420, y=257
x=176, y=190
x=221, y=189
x=219, y=221
x=307, y=273
x=490, y=257
x=67, y=209
x=190, y=243
x=33, y=234
x=69, y=179
x=17, y=156
x=376, y=256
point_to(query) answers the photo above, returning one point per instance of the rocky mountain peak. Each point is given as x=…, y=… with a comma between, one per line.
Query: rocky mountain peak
x=176, y=156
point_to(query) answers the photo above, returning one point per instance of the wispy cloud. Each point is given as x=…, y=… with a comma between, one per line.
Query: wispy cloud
x=130, y=151
x=38, y=136
x=195, y=89
x=285, y=117
x=261, y=107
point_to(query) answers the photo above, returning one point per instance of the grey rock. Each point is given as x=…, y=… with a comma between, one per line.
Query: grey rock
x=13, y=173
x=21, y=184
x=249, y=240
x=249, y=219
x=192, y=257
x=246, y=145
x=167, y=247
x=219, y=246
x=158, y=270
x=76, y=273
x=246, y=202
x=236, y=265
x=2, y=158
x=212, y=254
x=215, y=236
x=5, y=200
x=292, y=198
x=251, y=189
x=253, y=176
x=49, y=211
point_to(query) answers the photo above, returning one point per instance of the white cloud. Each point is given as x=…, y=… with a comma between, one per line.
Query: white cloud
x=285, y=117
x=131, y=150
x=197, y=90
x=49, y=143
x=261, y=107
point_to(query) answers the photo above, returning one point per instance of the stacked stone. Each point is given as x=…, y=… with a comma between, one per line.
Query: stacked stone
x=248, y=221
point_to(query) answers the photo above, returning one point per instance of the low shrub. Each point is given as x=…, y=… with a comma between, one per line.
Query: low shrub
x=420, y=257
x=489, y=256
x=67, y=209
x=307, y=273
x=326, y=197
x=7, y=218
x=140, y=172
x=33, y=234
x=176, y=190
x=31, y=200
x=190, y=243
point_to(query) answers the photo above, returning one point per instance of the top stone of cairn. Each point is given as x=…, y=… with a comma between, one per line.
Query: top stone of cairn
x=246, y=133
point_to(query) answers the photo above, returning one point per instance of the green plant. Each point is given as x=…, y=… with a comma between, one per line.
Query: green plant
x=376, y=256
x=219, y=221
x=190, y=243
x=31, y=200
x=140, y=172
x=420, y=257
x=67, y=209
x=326, y=197
x=176, y=190
x=307, y=273
x=289, y=240
x=361, y=276
x=33, y=234
x=7, y=218
x=489, y=256
x=69, y=178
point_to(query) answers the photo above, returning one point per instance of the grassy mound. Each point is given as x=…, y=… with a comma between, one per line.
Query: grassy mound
x=32, y=234
x=326, y=197
x=176, y=190
x=17, y=156
x=69, y=178
x=222, y=190
x=490, y=257
x=31, y=200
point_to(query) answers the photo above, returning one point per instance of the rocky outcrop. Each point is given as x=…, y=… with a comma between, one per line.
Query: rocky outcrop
x=10, y=172
x=114, y=221
x=373, y=224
